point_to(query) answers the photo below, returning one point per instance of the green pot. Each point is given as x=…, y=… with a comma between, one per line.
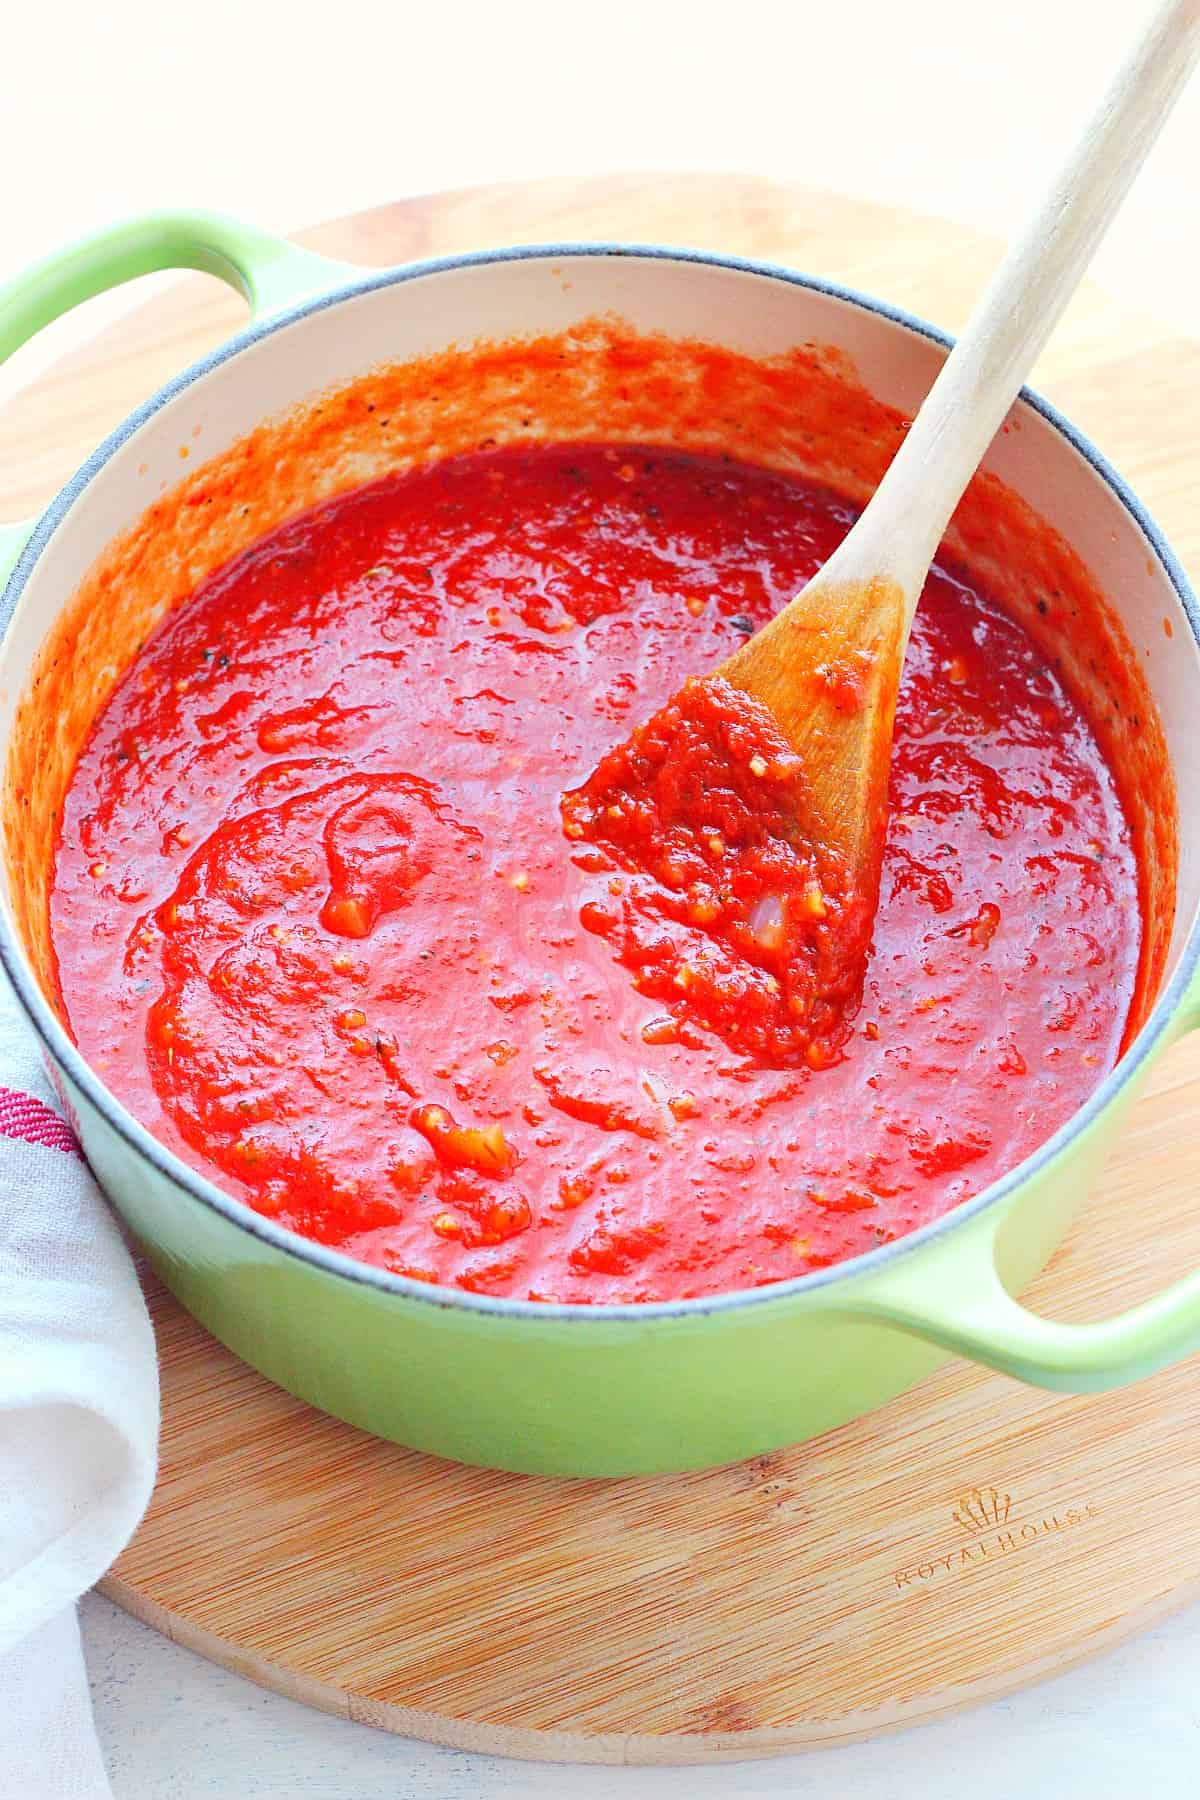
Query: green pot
x=568, y=1389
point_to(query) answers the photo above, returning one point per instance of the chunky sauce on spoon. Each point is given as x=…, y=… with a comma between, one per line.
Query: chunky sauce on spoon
x=733, y=912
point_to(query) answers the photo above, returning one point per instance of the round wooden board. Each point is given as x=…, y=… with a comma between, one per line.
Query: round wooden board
x=973, y=1536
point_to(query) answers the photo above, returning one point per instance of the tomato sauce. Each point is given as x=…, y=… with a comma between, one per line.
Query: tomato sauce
x=318, y=922
x=733, y=909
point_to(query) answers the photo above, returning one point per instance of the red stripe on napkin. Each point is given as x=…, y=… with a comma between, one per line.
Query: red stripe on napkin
x=33, y=1122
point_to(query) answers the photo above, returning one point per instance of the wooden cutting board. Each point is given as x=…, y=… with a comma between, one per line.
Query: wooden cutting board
x=972, y=1536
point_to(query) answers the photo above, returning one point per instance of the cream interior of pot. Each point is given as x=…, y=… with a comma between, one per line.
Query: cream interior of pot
x=611, y=349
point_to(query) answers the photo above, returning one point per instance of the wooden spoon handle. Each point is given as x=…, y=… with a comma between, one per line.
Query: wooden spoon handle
x=898, y=534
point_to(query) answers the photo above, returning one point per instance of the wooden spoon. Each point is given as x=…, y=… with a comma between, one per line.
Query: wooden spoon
x=751, y=808
x=858, y=609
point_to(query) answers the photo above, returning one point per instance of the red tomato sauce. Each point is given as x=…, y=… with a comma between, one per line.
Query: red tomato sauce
x=731, y=910
x=318, y=923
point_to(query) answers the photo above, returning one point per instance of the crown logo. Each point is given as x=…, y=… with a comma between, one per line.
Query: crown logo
x=981, y=1508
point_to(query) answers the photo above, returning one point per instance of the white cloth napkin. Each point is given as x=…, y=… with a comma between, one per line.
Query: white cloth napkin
x=78, y=1425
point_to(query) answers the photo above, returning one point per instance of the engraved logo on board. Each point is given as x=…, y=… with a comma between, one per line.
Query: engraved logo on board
x=980, y=1508
x=986, y=1517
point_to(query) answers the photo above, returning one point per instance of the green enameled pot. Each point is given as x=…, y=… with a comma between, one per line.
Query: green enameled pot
x=617, y=1389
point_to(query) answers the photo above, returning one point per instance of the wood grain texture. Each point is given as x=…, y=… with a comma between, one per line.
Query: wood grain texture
x=967, y=1539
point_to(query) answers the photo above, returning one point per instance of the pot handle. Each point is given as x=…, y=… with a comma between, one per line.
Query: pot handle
x=268, y=271
x=953, y=1296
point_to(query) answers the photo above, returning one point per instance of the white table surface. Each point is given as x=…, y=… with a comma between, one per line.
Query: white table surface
x=287, y=114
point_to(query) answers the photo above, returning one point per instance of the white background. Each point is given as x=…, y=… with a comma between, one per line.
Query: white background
x=288, y=114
